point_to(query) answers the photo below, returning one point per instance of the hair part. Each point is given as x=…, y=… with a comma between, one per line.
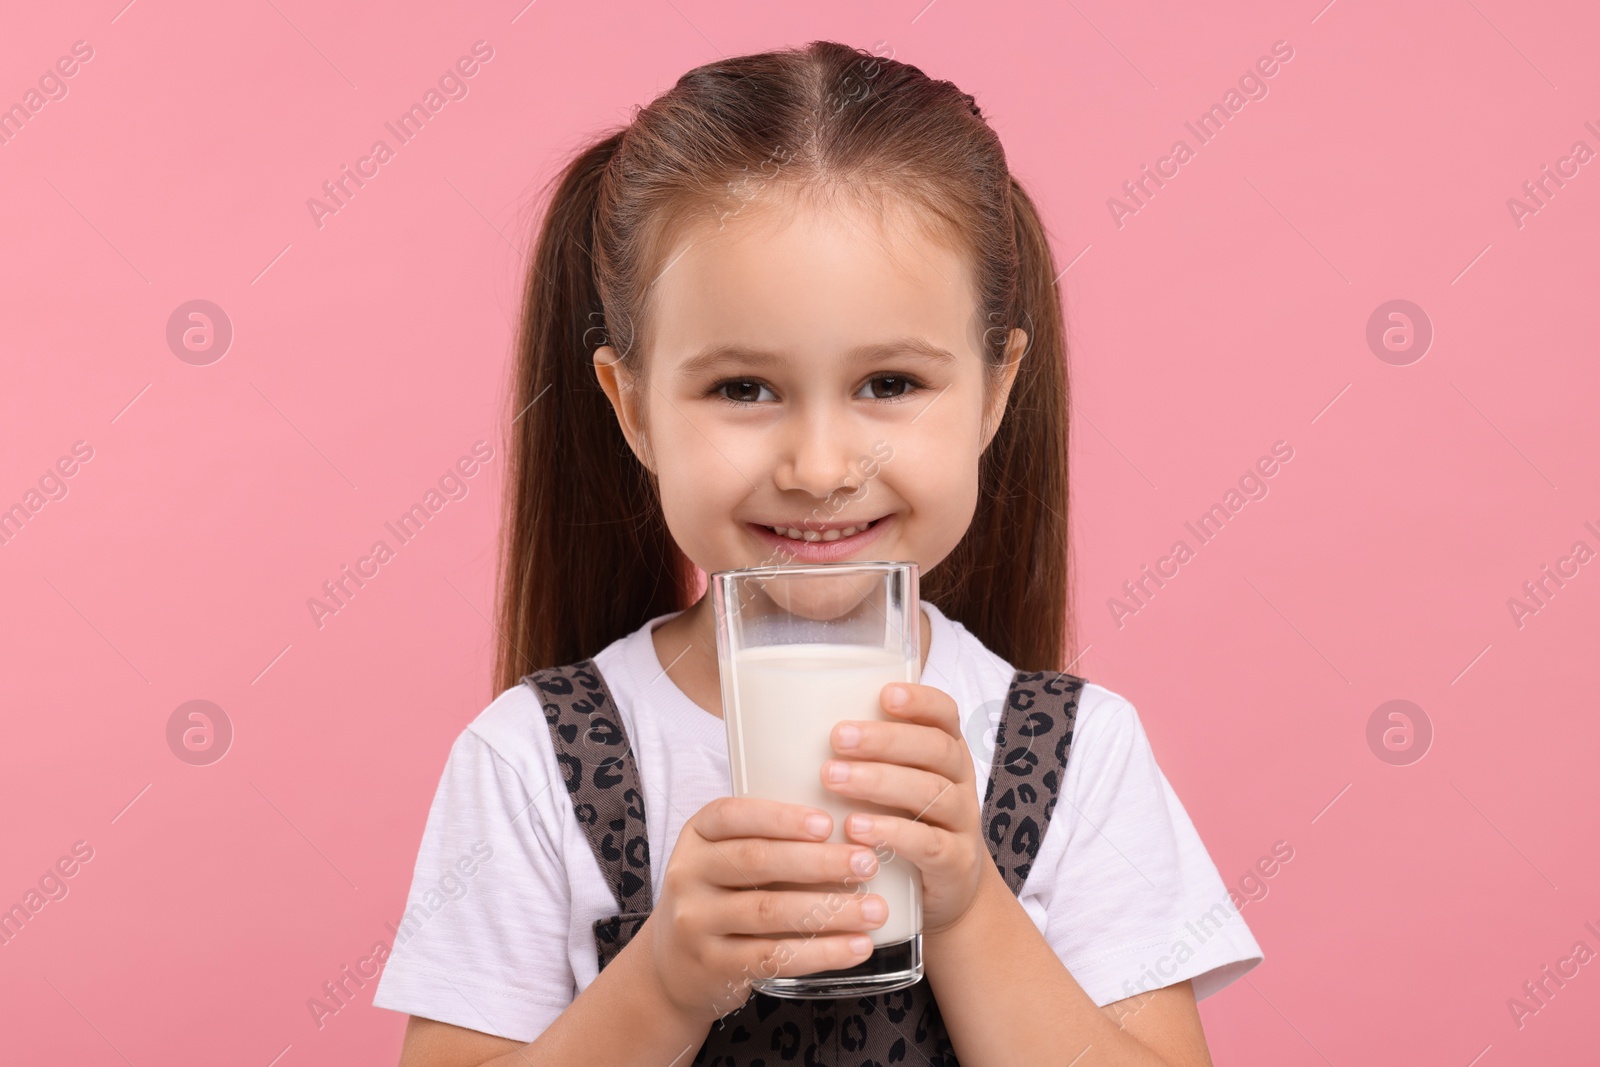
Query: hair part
x=586, y=556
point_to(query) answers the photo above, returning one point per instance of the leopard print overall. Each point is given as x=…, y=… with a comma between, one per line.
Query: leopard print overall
x=1033, y=741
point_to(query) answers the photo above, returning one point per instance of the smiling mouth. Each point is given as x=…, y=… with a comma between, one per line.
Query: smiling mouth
x=796, y=534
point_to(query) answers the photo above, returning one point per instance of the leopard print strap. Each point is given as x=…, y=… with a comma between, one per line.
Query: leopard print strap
x=602, y=780
x=1033, y=741
x=1032, y=744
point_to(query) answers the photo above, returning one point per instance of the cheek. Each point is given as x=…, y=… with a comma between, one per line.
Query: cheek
x=934, y=470
x=699, y=485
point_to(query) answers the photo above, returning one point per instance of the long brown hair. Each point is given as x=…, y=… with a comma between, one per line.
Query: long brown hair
x=586, y=556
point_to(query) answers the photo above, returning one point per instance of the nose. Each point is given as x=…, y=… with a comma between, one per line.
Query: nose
x=818, y=453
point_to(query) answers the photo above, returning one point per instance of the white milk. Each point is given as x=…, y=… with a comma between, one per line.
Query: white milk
x=788, y=700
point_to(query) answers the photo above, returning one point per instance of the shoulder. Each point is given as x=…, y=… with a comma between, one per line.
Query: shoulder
x=516, y=726
x=1106, y=717
x=1103, y=738
x=507, y=724
x=981, y=681
x=511, y=733
x=1111, y=760
x=500, y=785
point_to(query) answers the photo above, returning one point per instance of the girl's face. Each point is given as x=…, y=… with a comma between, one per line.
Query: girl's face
x=813, y=370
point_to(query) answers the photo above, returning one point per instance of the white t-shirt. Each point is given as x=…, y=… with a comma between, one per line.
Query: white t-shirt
x=1122, y=887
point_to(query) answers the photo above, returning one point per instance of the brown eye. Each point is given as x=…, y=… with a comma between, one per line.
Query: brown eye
x=738, y=391
x=897, y=386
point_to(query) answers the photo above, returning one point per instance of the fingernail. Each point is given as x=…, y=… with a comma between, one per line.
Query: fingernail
x=861, y=945
x=860, y=824
x=849, y=736
x=873, y=909
x=816, y=825
x=838, y=772
x=863, y=862
x=896, y=697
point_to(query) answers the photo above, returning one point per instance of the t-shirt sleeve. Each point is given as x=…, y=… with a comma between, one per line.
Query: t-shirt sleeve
x=1136, y=903
x=483, y=943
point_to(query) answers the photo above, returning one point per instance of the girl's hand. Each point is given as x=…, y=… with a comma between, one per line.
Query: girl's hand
x=703, y=934
x=919, y=764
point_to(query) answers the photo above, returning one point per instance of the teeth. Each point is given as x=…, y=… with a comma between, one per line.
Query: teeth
x=813, y=535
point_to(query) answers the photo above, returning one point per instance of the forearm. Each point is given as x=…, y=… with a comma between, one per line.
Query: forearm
x=623, y=1017
x=1007, y=999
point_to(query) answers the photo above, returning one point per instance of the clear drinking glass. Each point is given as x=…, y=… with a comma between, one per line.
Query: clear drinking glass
x=801, y=648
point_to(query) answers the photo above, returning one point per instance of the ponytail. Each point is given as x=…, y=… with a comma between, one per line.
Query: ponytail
x=585, y=554
x=1007, y=580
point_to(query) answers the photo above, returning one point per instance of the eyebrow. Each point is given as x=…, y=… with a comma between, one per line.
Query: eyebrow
x=718, y=355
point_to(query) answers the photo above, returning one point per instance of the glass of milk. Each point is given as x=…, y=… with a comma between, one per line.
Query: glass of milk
x=801, y=647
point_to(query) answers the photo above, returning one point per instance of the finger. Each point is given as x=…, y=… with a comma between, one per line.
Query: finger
x=905, y=743
x=799, y=913
x=924, y=795
x=915, y=840
x=747, y=862
x=790, y=957
x=924, y=704
x=727, y=817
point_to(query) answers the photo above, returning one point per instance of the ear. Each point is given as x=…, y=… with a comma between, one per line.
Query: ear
x=621, y=389
x=1016, y=349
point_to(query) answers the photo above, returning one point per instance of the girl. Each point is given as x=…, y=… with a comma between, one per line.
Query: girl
x=797, y=309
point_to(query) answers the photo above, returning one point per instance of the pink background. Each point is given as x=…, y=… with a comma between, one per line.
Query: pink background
x=1228, y=313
